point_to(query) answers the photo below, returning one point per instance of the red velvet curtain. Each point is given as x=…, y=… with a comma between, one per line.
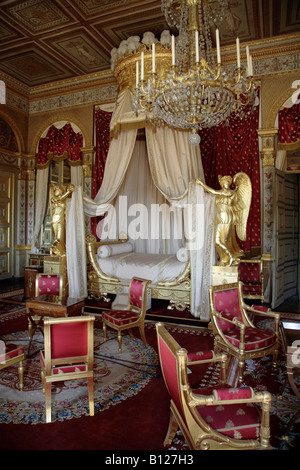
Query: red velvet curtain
x=289, y=124
x=102, y=130
x=228, y=149
x=60, y=141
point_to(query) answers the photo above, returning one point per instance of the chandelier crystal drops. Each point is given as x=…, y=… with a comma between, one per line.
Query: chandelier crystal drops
x=198, y=91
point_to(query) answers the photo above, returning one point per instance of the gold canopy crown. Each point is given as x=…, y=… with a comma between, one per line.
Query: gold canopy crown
x=125, y=69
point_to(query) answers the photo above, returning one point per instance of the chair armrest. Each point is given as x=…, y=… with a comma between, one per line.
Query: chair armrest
x=263, y=311
x=203, y=357
x=230, y=396
x=235, y=321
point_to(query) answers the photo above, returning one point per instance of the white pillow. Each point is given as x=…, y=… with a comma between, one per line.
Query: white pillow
x=114, y=249
x=182, y=255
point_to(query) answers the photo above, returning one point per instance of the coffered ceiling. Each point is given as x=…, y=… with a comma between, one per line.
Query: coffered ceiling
x=44, y=41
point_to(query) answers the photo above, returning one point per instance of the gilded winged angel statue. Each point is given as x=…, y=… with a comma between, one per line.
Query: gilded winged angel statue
x=232, y=211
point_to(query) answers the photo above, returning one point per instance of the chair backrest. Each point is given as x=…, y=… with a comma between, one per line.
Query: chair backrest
x=225, y=299
x=250, y=271
x=51, y=284
x=137, y=294
x=168, y=349
x=69, y=339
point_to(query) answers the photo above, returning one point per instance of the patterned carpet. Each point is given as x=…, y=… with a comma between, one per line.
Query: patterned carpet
x=116, y=378
x=119, y=378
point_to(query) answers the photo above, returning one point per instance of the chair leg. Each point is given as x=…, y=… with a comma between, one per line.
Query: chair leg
x=172, y=429
x=275, y=357
x=241, y=370
x=48, y=401
x=120, y=341
x=21, y=371
x=104, y=332
x=223, y=370
x=142, y=334
x=130, y=333
x=29, y=330
x=91, y=395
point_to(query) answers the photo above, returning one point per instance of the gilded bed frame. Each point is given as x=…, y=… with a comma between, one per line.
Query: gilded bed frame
x=100, y=285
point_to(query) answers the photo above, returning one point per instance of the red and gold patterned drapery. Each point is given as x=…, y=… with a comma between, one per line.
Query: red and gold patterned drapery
x=60, y=143
x=289, y=126
x=229, y=149
x=102, y=130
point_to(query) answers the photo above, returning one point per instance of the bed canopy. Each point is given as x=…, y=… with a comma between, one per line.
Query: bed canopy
x=148, y=189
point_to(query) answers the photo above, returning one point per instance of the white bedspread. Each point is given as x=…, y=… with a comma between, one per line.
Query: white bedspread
x=157, y=268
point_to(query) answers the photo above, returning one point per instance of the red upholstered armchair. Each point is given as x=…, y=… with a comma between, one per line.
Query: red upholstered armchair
x=11, y=354
x=226, y=419
x=234, y=332
x=135, y=314
x=68, y=355
x=250, y=273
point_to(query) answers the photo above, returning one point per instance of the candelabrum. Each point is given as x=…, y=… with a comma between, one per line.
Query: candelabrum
x=201, y=98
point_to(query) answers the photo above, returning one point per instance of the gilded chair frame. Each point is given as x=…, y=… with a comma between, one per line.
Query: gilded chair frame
x=11, y=356
x=260, y=296
x=139, y=323
x=221, y=343
x=48, y=364
x=198, y=433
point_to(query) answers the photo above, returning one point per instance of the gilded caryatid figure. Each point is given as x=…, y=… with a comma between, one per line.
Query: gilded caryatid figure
x=58, y=212
x=232, y=211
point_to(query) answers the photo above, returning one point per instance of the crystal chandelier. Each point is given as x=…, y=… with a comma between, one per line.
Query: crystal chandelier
x=197, y=91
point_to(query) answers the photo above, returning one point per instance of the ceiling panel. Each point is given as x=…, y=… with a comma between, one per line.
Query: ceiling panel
x=42, y=41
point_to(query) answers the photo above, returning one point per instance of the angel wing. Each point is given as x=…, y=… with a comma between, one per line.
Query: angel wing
x=241, y=203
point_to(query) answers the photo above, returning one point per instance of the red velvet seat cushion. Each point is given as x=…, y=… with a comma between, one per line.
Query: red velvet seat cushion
x=254, y=338
x=120, y=317
x=239, y=421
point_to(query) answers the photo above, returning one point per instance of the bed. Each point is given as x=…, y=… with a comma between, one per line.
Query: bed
x=169, y=275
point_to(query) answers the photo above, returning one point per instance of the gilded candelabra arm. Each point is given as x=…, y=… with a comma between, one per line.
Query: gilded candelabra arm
x=201, y=69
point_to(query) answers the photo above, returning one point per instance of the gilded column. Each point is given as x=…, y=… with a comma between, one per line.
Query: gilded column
x=268, y=157
x=25, y=213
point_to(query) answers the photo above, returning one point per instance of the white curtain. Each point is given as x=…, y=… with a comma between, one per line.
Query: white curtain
x=141, y=211
x=75, y=245
x=200, y=222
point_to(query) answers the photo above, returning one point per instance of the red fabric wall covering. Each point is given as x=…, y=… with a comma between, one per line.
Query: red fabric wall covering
x=102, y=131
x=228, y=149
